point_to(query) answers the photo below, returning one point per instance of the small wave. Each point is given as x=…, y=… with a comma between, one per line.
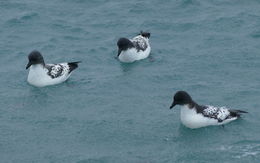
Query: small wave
x=23, y=17
x=29, y=16
x=255, y=34
x=185, y=3
x=243, y=149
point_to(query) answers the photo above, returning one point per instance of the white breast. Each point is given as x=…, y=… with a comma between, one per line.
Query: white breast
x=131, y=55
x=38, y=77
x=191, y=119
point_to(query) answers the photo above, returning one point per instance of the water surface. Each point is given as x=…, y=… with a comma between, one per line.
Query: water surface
x=113, y=112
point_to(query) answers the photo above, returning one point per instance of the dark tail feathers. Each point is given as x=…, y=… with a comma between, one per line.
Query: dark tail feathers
x=145, y=34
x=236, y=113
x=73, y=65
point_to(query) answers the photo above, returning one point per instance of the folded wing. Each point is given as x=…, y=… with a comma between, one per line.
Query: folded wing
x=140, y=43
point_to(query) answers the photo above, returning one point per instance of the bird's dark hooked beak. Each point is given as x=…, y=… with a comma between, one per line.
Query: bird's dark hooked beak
x=119, y=51
x=28, y=65
x=173, y=104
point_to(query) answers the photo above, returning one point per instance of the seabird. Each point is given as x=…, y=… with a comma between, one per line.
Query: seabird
x=41, y=74
x=130, y=50
x=194, y=115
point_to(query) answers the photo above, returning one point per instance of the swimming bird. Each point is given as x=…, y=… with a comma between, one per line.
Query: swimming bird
x=41, y=74
x=194, y=115
x=137, y=48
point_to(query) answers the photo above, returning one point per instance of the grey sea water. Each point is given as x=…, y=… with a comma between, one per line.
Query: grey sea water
x=114, y=112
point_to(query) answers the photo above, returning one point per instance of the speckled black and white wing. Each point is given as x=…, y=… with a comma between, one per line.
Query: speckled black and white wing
x=218, y=113
x=140, y=43
x=57, y=70
x=62, y=69
x=41, y=75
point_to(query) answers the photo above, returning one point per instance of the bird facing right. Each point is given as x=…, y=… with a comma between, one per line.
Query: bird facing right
x=194, y=115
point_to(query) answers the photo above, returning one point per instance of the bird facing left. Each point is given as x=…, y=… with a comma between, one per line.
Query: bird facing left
x=41, y=74
x=194, y=115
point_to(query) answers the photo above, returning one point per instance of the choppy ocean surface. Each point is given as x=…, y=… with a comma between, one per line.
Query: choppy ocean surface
x=114, y=112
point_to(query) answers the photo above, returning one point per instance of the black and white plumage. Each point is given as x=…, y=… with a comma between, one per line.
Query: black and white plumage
x=196, y=116
x=57, y=70
x=130, y=50
x=41, y=74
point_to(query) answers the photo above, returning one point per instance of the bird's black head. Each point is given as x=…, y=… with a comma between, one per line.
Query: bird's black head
x=35, y=57
x=123, y=44
x=181, y=98
x=145, y=34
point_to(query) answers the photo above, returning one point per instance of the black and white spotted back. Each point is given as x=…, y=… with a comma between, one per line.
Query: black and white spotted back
x=140, y=42
x=58, y=70
x=219, y=113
